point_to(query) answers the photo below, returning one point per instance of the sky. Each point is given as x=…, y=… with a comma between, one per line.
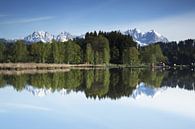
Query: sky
x=175, y=19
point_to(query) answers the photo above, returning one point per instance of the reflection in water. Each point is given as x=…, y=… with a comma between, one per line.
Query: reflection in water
x=148, y=100
x=101, y=83
x=142, y=89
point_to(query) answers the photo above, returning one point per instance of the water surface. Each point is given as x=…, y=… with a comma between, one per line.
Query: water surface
x=98, y=99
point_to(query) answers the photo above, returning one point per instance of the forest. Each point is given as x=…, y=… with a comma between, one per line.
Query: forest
x=99, y=48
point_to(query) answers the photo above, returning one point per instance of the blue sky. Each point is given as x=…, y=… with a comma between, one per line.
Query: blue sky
x=174, y=19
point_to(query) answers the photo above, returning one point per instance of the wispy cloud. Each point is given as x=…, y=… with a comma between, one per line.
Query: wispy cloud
x=26, y=20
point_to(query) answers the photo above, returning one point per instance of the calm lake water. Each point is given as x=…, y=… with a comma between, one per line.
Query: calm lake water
x=99, y=99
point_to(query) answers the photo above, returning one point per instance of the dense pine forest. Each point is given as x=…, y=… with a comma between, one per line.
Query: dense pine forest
x=99, y=48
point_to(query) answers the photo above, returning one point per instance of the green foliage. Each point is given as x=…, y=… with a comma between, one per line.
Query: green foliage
x=101, y=83
x=97, y=83
x=179, y=53
x=57, y=54
x=131, y=56
x=97, y=49
x=72, y=53
x=118, y=43
x=19, y=81
x=89, y=78
x=19, y=53
x=152, y=78
x=89, y=55
x=2, y=51
x=152, y=54
x=40, y=52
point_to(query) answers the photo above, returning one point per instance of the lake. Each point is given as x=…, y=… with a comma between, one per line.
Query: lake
x=98, y=99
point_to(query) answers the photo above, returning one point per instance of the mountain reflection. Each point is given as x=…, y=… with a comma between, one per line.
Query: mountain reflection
x=101, y=83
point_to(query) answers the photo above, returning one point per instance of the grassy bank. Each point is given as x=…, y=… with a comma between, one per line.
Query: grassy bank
x=39, y=66
x=45, y=66
x=22, y=66
x=31, y=71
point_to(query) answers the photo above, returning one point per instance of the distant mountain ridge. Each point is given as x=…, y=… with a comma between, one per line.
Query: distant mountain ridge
x=39, y=36
x=64, y=36
x=145, y=38
x=138, y=36
x=42, y=36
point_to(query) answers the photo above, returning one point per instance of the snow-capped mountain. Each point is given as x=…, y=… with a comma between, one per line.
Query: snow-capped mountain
x=45, y=37
x=43, y=91
x=141, y=38
x=147, y=37
x=142, y=89
x=39, y=36
x=64, y=36
x=38, y=92
x=82, y=36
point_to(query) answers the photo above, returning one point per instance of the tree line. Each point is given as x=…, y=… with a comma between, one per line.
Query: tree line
x=182, y=52
x=98, y=48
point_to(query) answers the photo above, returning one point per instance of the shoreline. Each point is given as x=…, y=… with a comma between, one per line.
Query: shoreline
x=44, y=66
x=47, y=66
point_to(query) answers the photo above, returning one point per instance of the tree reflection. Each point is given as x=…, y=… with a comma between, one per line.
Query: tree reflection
x=101, y=83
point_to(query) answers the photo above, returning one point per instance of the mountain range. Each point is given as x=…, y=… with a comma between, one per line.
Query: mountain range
x=145, y=38
x=141, y=38
x=42, y=36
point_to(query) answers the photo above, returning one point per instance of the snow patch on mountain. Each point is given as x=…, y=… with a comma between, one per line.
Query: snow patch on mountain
x=145, y=38
x=143, y=90
x=64, y=36
x=138, y=36
x=45, y=37
x=40, y=92
x=39, y=36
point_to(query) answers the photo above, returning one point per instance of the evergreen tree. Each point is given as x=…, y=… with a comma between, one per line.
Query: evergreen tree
x=97, y=49
x=41, y=52
x=72, y=53
x=131, y=56
x=152, y=54
x=20, y=53
x=55, y=55
x=89, y=55
x=2, y=52
x=118, y=43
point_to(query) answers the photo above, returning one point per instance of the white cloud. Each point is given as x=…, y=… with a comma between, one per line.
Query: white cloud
x=27, y=20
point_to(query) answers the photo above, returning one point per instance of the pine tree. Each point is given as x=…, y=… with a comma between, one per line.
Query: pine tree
x=131, y=56
x=2, y=52
x=89, y=55
x=55, y=55
x=20, y=52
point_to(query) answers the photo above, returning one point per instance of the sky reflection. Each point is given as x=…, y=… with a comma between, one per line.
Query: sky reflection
x=170, y=108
